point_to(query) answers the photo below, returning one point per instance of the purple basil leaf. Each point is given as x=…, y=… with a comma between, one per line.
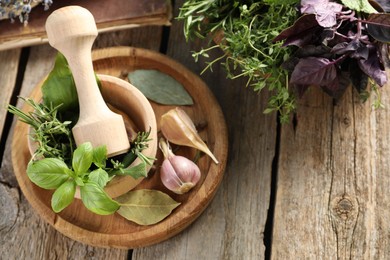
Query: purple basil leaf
x=384, y=54
x=301, y=32
x=358, y=78
x=373, y=67
x=379, y=27
x=290, y=64
x=313, y=50
x=300, y=89
x=313, y=71
x=381, y=5
x=337, y=87
x=346, y=47
x=325, y=11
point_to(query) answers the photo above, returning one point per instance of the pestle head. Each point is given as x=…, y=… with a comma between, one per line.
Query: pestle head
x=69, y=24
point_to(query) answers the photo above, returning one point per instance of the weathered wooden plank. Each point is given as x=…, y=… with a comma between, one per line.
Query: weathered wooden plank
x=333, y=179
x=232, y=226
x=9, y=61
x=22, y=233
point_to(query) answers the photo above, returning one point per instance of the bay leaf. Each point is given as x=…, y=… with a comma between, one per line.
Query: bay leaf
x=160, y=87
x=146, y=207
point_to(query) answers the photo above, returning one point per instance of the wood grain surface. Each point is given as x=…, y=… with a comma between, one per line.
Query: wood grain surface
x=9, y=61
x=332, y=191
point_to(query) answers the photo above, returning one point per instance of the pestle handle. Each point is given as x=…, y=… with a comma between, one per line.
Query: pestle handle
x=72, y=31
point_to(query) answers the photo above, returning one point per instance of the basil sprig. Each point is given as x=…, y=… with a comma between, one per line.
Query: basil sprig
x=53, y=173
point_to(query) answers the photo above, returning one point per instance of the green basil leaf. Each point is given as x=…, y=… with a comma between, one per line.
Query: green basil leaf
x=48, y=173
x=160, y=87
x=146, y=207
x=82, y=158
x=136, y=171
x=63, y=196
x=360, y=6
x=100, y=156
x=96, y=200
x=99, y=176
x=79, y=181
x=59, y=87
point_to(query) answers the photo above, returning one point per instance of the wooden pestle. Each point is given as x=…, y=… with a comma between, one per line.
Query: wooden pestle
x=72, y=31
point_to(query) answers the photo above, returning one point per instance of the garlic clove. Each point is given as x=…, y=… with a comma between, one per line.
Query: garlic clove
x=177, y=173
x=179, y=129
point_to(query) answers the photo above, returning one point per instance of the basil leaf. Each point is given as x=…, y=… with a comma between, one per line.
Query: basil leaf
x=59, y=87
x=63, y=196
x=82, y=158
x=79, y=181
x=136, y=171
x=96, y=200
x=48, y=173
x=359, y=5
x=99, y=176
x=146, y=207
x=100, y=156
x=160, y=87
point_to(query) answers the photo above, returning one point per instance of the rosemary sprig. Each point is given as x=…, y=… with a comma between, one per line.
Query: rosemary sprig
x=53, y=136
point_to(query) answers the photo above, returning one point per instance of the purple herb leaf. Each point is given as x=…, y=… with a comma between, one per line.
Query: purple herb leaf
x=354, y=49
x=383, y=4
x=302, y=32
x=379, y=27
x=314, y=71
x=314, y=50
x=326, y=12
x=337, y=87
x=358, y=78
x=300, y=89
x=373, y=68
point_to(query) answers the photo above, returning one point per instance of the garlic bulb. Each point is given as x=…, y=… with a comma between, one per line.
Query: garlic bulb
x=179, y=129
x=177, y=173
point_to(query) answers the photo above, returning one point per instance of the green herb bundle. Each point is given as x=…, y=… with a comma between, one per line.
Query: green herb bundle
x=247, y=29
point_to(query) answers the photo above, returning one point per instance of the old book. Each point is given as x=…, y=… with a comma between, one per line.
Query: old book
x=109, y=16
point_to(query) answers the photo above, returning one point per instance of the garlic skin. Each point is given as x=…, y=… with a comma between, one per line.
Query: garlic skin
x=177, y=173
x=178, y=128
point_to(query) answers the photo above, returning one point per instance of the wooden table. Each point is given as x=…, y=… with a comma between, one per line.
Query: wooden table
x=317, y=188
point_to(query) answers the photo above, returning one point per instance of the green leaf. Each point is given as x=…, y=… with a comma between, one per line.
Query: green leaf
x=379, y=27
x=48, y=173
x=82, y=158
x=96, y=200
x=146, y=207
x=359, y=5
x=63, y=196
x=160, y=87
x=136, y=171
x=99, y=176
x=79, y=181
x=59, y=87
x=100, y=156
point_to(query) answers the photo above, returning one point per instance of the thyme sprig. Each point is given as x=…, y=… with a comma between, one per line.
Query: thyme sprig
x=248, y=28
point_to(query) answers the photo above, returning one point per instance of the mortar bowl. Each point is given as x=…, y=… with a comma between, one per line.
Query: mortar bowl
x=126, y=100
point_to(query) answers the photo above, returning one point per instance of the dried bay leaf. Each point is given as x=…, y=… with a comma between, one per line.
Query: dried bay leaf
x=146, y=207
x=160, y=87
